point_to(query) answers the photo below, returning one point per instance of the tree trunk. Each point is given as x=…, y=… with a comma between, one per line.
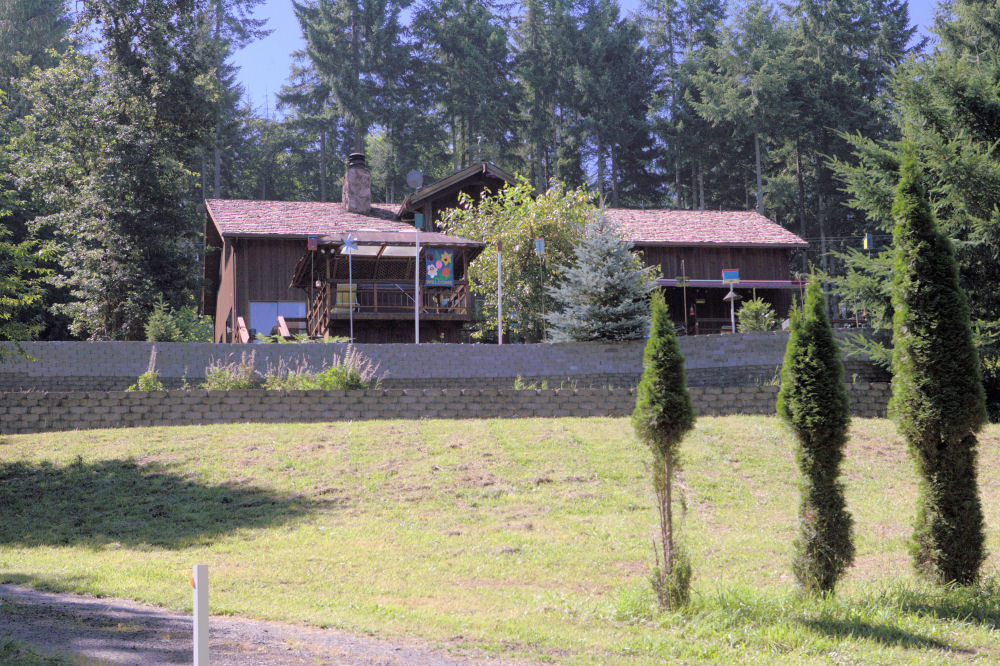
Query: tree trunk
x=760, y=186
x=802, y=201
x=600, y=172
x=217, y=175
x=322, y=165
x=667, y=523
x=701, y=188
x=359, y=131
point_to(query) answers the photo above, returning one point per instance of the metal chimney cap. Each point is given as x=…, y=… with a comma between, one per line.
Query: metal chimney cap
x=356, y=160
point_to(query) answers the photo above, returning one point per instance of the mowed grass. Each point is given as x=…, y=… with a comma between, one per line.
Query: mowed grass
x=529, y=539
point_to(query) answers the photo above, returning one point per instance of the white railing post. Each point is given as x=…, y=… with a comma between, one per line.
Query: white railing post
x=199, y=579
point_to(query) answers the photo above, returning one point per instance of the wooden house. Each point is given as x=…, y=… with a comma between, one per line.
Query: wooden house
x=694, y=247
x=284, y=266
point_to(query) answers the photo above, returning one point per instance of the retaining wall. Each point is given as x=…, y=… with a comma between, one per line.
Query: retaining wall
x=25, y=412
x=711, y=360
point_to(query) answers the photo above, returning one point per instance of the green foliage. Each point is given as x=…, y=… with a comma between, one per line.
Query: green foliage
x=352, y=371
x=515, y=216
x=21, y=287
x=148, y=381
x=662, y=416
x=663, y=412
x=233, y=375
x=181, y=325
x=756, y=314
x=602, y=295
x=937, y=392
x=946, y=106
x=813, y=401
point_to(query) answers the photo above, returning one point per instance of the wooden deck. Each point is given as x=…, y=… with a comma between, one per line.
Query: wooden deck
x=372, y=300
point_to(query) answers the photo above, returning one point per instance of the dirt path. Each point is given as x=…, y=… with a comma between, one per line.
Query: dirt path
x=116, y=631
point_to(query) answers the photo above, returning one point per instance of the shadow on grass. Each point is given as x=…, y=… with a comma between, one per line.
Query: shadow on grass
x=116, y=501
x=978, y=604
x=878, y=633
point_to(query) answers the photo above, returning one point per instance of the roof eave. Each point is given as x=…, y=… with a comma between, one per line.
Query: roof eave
x=775, y=246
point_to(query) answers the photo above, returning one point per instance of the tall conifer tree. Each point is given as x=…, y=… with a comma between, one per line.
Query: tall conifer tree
x=662, y=416
x=937, y=394
x=814, y=403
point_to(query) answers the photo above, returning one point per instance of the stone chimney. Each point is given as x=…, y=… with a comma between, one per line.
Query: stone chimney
x=357, y=196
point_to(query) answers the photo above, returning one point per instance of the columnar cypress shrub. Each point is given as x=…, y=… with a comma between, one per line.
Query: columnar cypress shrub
x=662, y=416
x=937, y=392
x=813, y=402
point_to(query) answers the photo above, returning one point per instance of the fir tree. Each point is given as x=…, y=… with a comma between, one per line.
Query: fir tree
x=602, y=294
x=814, y=403
x=662, y=416
x=937, y=393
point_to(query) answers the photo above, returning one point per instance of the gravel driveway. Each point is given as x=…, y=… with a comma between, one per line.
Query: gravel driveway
x=116, y=631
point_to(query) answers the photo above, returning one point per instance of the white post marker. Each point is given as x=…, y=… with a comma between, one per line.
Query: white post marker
x=349, y=248
x=199, y=580
x=499, y=297
x=418, y=222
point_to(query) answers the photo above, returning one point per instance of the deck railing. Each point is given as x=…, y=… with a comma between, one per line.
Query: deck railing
x=378, y=297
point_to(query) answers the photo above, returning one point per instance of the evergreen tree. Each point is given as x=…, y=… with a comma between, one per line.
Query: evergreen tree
x=602, y=294
x=469, y=63
x=662, y=416
x=946, y=105
x=813, y=402
x=937, y=393
x=353, y=46
x=614, y=76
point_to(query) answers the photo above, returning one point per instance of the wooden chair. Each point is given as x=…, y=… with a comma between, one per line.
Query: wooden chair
x=347, y=298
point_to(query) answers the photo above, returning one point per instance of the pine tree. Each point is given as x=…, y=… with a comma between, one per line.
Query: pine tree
x=937, y=393
x=602, y=294
x=813, y=402
x=662, y=416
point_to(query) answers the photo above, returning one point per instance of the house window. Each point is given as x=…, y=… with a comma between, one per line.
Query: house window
x=264, y=314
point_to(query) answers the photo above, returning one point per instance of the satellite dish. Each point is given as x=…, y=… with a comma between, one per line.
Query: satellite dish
x=415, y=179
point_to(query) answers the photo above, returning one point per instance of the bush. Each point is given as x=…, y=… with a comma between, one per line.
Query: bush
x=937, y=390
x=756, y=315
x=232, y=376
x=351, y=371
x=813, y=402
x=662, y=416
x=148, y=381
x=182, y=325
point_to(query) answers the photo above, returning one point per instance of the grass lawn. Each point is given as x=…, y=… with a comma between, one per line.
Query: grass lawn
x=524, y=538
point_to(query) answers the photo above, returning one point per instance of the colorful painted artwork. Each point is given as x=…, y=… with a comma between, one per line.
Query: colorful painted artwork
x=440, y=267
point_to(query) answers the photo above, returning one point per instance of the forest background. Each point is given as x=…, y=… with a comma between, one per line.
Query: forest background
x=121, y=116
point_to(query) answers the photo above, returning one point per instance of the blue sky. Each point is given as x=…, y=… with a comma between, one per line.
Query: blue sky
x=264, y=65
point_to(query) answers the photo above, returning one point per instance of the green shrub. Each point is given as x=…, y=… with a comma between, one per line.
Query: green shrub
x=756, y=315
x=181, y=325
x=937, y=390
x=662, y=416
x=148, y=381
x=813, y=402
x=231, y=376
x=351, y=371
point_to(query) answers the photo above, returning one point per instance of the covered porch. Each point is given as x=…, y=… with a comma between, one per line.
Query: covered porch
x=373, y=287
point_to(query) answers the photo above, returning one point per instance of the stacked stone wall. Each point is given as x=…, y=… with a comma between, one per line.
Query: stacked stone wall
x=27, y=412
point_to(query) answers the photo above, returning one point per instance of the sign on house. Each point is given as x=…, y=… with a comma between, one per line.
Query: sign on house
x=730, y=276
x=440, y=267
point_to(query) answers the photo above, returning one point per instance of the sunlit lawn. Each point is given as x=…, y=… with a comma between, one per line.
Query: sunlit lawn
x=524, y=538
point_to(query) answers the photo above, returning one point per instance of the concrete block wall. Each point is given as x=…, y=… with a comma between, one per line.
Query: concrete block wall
x=711, y=360
x=31, y=411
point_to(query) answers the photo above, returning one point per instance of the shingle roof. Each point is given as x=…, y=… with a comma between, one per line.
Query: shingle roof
x=240, y=217
x=702, y=227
